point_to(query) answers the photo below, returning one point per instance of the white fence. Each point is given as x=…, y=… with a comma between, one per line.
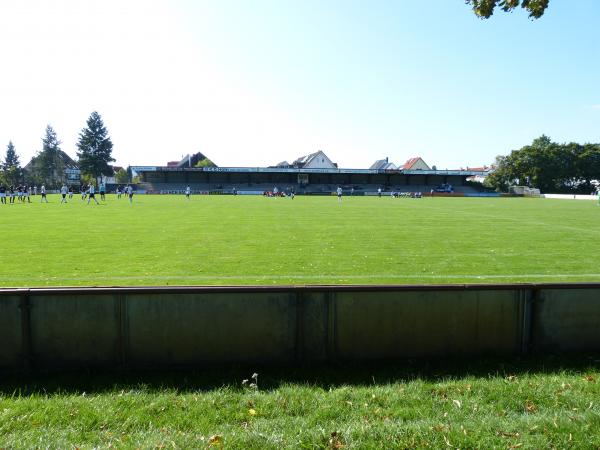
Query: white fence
x=571, y=196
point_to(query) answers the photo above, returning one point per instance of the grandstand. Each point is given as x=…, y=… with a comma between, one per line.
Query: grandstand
x=303, y=178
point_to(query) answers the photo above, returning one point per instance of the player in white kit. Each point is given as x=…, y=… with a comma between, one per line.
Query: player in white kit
x=43, y=192
x=92, y=194
x=63, y=193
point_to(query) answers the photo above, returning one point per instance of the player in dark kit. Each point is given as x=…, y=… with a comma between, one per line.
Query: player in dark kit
x=3, y=194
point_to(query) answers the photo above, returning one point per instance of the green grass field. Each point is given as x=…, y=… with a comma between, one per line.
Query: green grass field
x=217, y=240
x=545, y=403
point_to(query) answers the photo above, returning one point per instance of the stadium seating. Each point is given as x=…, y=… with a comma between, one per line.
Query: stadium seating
x=179, y=188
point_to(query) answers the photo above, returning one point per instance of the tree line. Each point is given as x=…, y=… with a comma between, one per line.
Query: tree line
x=485, y=8
x=549, y=166
x=50, y=165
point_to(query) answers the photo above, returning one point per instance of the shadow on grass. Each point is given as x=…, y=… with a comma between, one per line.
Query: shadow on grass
x=270, y=377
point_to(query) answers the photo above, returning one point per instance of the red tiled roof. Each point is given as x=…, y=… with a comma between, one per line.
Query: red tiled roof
x=411, y=162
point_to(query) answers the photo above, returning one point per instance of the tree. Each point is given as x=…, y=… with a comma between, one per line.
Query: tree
x=485, y=8
x=122, y=176
x=48, y=166
x=11, y=166
x=12, y=159
x=205, y=163
x=549, y=166
x=95, y=148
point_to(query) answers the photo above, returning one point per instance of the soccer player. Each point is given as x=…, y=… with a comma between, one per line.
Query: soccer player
x=70, y=192
x=43, y=192
x=339, y=194
x=26, y=193
x=11, y=192
x=92, y=194
x=129, y=192
x=83, y=189
x=188, y=191
x=102, y=191
x=2, y=194
x=379, y=192
x=63, y=193
x=118, y=191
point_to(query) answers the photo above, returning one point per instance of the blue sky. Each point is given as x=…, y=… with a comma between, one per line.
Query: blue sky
x=255, y=83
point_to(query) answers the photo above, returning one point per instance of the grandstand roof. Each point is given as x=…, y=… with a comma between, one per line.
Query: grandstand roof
x=480, y=169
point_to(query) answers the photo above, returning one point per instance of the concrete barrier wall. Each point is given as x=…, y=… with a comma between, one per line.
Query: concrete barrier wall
x=195, y=326
x=12, y=354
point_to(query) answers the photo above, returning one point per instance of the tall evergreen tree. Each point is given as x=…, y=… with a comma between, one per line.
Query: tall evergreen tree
x=12, y=159
x=11, y=166
x=48, y=164
x=95, y=147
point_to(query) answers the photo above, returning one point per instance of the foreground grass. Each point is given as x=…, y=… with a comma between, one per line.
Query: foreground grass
x=530, y=404
x=161, y=240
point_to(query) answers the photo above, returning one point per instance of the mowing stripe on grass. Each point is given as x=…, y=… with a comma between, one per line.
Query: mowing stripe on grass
x=520, y=221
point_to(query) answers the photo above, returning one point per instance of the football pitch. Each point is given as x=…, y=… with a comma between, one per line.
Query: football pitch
x=224, y=240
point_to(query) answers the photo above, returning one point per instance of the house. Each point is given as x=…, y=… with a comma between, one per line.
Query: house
x=480, y=178
x=188, y=161
x=110, y=178
x=317, y=160
x=66, y=171
x=415, y=163
x=383, y=164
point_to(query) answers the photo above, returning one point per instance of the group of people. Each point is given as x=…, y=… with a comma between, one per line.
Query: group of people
x=406, y=194
x=21, y=193
x=88, y=191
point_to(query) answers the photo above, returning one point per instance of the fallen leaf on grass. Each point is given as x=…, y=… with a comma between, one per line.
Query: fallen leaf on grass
x=252, y=412
x=508, y=434
x=530, y=407
x=216, y=440
x=335, y=441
